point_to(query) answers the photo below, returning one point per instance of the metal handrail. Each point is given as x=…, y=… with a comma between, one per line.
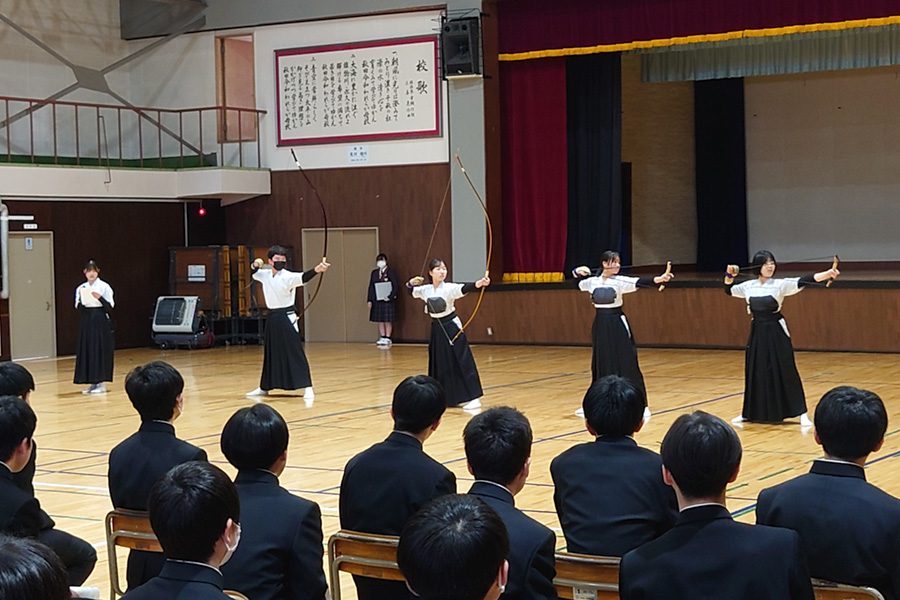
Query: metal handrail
x=74, y=128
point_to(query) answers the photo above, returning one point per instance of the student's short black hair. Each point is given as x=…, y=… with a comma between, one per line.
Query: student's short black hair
x=30, y=570
x=453, y=549
x=15, y=380
x=614, y=406
x=91, y=265
x=189, y=508
x=761, y=258
x=702, y=453
x=418, y=403
x=498, y=443
x=17, y=422
x=850, y=422
x=435, y=263
x=154, y=389
x=381, y=256
x=254, y=437
x=276, y=249
x=608, y=256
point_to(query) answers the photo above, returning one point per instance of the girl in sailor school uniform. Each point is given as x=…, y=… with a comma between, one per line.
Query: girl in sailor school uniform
x=450, y=359
x=615, y=352
x=284, y=363
x=772, y=387
x=96, y=336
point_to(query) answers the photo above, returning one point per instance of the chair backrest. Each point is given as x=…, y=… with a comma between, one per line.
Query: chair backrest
x=363, y=554
x=127, y=529
x=581, y=576
x=829, y=590
x=235, y=594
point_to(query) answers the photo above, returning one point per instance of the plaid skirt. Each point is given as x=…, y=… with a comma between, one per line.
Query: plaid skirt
x=383, y=311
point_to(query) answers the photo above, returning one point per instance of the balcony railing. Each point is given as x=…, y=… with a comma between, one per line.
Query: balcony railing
x=56, y=132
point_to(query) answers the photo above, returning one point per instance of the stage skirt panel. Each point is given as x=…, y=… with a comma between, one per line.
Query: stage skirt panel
x=284, y=363
x=614, y=350
x=453, y=365
x=96, y=345
x=772, y=387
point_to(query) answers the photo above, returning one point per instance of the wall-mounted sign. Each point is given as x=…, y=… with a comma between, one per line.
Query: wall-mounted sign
x=378, y=90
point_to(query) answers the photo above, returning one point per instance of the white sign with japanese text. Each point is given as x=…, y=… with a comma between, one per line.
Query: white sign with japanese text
x=379, y=90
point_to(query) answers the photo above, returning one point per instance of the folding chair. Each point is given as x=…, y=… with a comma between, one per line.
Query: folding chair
x=580, y=576
x=363, y=554
x=829, y=590
x=127, y=529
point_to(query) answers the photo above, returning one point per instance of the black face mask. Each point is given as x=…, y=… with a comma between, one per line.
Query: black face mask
x=279, y=265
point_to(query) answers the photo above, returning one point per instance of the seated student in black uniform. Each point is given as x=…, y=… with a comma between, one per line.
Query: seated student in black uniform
x=19, y=510
x=77, y=555
x=498, y=451
x=195, y=512
x=610, y=496
x=280, y=555
x=455, y=548
x=849, y=529
x=385, y=484
x=707, y=554
x=30, y=570
x=155, y=390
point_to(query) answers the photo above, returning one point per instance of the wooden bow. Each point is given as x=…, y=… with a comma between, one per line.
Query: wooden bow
x=490, y=247
x=834, y=265
x=668, y=272
x=324, y=242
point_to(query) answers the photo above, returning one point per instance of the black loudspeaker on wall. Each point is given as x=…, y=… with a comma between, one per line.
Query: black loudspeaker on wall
x=461, y=47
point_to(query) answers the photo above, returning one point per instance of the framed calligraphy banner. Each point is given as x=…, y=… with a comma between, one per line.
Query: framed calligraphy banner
x=380, y=90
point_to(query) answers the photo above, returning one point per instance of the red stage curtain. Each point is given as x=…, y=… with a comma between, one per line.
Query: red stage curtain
x=535, y=197
x=533, y=25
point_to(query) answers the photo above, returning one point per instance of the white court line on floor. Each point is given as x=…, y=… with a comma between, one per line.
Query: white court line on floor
x=71, y=487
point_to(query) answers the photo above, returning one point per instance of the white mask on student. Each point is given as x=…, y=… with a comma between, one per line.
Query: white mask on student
x=229, y=550
x=381, y=264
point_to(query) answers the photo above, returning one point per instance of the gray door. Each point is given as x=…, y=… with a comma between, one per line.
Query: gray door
x=32, y=306
x=339, y=313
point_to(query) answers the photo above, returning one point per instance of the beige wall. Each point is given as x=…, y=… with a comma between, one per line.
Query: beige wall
x=85, y=32
x=823, y=164
x=658, y=139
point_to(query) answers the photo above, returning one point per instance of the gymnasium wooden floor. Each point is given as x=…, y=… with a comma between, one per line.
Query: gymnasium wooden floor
x=354, y=383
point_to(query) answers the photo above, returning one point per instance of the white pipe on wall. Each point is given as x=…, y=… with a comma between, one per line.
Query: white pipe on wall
x=4, y=250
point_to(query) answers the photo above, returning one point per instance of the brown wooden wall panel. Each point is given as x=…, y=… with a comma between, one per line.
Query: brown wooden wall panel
x=215, y=291
x=402, y=201
x=130, y=242
x=818, y=318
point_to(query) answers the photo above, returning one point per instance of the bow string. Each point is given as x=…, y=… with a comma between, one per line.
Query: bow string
x=324, y=242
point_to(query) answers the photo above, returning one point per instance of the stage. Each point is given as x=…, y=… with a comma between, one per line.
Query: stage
x=860, y=312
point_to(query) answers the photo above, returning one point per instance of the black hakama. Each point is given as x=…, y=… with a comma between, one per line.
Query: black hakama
x=284, y=363
x=96, y=345
x=452, y=365
x=615, y=352
x=772, y=387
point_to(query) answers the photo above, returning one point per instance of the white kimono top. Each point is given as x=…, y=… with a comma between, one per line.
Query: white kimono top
x=279, y=287
x=450, y=292
x=99, y=286
x=622, y=285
